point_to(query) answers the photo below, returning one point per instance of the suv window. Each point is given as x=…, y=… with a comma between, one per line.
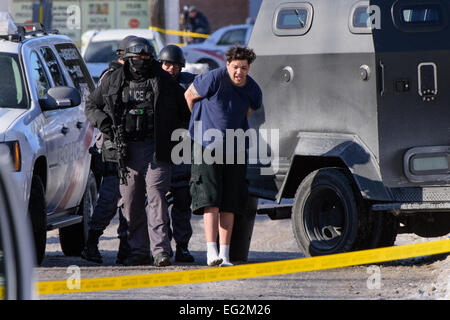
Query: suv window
x=38, y=75
x=232, y=37
x=101, y=51
x=105, y=51
x=53, y=66
x=12, y=91
x=75, y=66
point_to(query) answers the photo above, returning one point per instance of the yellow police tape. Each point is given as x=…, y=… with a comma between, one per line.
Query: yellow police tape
x=180, y=33
x=248, y=270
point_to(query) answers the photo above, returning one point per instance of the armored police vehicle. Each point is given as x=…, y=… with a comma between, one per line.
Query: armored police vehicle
x=357, y=93
x=44, y=82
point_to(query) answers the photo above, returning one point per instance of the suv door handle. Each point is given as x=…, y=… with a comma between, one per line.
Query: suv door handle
x=79, y=124
x=64, y=130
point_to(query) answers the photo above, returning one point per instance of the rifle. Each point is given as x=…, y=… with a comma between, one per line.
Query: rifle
x=118, y=140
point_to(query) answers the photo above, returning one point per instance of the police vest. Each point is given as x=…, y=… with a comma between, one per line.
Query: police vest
x=138, y=103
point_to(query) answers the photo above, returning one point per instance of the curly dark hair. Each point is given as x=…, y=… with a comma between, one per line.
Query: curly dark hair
x=240, y=53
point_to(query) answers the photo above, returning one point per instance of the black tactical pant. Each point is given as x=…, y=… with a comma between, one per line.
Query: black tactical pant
x=181, y=209
x=106, y=207
x=147, y=229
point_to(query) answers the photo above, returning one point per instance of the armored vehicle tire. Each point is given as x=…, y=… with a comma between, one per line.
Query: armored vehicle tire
x=73, y=238
x=38, y=217
x=326, y=214
x=383, y=230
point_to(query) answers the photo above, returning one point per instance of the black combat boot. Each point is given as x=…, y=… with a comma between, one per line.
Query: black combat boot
x=124, y=250
x=137, y=260
x=90, y=251
x=182, y=254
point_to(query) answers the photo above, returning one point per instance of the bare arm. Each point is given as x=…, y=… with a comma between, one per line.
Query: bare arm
x=191, y=95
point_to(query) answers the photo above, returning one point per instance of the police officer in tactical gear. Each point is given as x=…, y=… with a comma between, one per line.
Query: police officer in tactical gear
x=109, y=193
x=196, y=21
x=147, y=105
x=172, y=60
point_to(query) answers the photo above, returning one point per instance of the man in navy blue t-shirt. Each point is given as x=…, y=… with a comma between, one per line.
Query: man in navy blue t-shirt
x=220, y=102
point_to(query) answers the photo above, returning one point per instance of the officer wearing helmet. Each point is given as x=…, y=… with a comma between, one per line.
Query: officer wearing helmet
x=172, y=60
x=109, y=193
x=147, y=103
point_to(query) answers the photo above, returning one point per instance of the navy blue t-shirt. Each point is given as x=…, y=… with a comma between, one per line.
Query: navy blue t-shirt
x=223, y=104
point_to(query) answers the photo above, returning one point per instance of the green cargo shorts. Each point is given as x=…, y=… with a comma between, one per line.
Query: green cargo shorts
x=218, y=185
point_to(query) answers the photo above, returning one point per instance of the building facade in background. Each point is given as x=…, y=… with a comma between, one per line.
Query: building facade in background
x=221, y=13
x=75, y=17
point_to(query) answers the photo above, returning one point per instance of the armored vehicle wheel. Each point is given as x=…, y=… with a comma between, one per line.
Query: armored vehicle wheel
x=73, y=238
x=383, y=230
x=36, y=209
x=326, y=213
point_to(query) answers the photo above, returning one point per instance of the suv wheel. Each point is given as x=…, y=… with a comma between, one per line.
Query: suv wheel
x=38, y=217
x=328, y=216
x=73, y=238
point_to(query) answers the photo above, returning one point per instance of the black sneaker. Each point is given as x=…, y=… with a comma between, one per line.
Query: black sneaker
x=183, y=255
x=162, y=260
x=120, y=259
x=137, y=260
x=91, y=253
x=124, y=251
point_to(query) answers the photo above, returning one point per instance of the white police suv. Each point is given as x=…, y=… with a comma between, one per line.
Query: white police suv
x=43, y=86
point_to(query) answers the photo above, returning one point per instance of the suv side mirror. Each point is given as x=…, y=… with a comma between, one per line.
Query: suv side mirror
x=60, y=97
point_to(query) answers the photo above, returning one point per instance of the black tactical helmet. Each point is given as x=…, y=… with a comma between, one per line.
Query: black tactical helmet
x=123, y=44
x=172, y=53
x=138, y=46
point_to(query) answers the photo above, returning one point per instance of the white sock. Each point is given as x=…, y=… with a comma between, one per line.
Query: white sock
x=211, y=254
x=225, y=255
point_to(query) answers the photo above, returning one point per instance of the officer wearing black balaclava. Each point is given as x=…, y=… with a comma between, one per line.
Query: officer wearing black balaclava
x=109, y=193
x=149, y=105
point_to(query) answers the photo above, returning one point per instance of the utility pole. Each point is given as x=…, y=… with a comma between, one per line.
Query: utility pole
x=42, y=13
x=157, y=15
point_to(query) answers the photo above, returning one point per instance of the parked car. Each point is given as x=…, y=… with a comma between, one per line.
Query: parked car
x=42, y=95
x=102, y=45
x=212, y=50
x=16, y=245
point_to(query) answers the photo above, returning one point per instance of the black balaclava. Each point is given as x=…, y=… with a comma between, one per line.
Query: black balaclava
x=142, y=68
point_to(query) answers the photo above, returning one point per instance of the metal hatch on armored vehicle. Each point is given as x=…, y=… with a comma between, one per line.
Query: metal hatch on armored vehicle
x=356, y=92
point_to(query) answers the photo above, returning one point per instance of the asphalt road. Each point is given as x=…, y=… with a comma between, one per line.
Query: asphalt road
x=418, y=278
